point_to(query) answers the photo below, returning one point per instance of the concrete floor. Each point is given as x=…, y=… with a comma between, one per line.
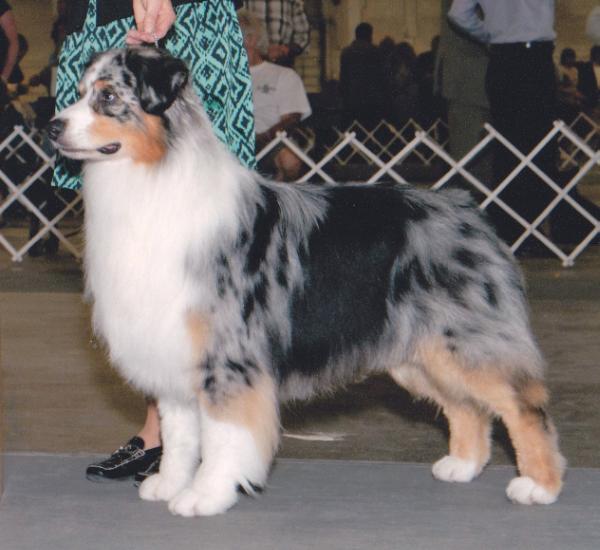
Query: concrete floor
x=321, y=504
x=61, y=396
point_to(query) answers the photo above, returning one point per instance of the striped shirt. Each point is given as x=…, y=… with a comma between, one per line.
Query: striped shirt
x=285, y=20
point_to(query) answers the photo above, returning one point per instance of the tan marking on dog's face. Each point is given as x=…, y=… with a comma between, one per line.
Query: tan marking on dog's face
x=144, y=143
x=254, y=408
x=100, y=84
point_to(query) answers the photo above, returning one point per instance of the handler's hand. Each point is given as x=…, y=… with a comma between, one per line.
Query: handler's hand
x=153, y=19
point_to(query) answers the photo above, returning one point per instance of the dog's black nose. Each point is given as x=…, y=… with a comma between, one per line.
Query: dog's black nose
x=55, y=128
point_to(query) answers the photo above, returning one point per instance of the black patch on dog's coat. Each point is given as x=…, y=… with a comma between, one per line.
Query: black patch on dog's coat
x=247, y=307
x=347, y=273
x=452, y=282
x=159, y=79
x=466, y=258
x=490, y=293
x=267, y=216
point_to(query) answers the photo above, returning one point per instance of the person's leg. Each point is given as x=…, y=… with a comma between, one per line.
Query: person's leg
x=521, y=92
x=150, y=431
x=138, y=458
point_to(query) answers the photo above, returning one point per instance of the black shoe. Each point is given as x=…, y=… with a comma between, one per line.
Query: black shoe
x=124, y=463
x=150, y=471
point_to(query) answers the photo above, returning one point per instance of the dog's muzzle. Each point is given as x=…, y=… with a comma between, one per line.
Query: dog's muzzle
x=56, y=129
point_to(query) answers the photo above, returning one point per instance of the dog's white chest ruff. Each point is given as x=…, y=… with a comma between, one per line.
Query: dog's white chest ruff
x=134, y=259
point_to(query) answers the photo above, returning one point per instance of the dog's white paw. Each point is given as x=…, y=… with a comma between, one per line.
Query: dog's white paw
x=453, y=469
x=192, y=502
x=158, y=487
x=525, y=490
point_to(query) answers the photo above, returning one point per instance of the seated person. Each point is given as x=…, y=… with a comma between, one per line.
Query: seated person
x=570, y=99
x=280, y=101
x=589, y=80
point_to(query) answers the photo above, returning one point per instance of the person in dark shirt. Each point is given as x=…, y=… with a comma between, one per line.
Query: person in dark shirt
x=361, y=84
x=588, y=82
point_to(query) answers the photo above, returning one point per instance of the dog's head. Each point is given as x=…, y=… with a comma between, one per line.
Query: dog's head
x=124, y=95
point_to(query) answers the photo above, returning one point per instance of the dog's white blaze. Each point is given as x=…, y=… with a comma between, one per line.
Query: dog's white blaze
x=79, y=118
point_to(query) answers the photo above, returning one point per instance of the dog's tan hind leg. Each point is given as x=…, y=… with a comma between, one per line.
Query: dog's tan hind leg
x=520, y=403
x=469, y=426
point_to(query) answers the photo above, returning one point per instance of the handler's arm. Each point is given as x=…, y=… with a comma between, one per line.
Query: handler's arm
x=7, y=22
x=153, y=19
x=463, y=13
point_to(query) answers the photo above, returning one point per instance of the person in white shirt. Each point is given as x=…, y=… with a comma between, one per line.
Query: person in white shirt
x=280, y=100
x=592, y=27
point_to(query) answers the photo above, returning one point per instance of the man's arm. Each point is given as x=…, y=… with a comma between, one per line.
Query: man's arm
x=463, y=13
x=9, y=26
x=285, y=122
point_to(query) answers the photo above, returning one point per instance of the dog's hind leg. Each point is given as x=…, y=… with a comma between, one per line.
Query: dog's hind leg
x=520, y=402
x=180, y=433
x=534, y=437
x=468, y=424
x=240, y=433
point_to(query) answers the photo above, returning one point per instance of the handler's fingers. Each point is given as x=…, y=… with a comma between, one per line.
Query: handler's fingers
x=134, y=37
x=165, y=19
x=138, y=12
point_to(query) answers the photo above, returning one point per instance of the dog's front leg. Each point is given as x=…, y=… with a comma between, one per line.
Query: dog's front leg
x=239, y=436
x=180, y=431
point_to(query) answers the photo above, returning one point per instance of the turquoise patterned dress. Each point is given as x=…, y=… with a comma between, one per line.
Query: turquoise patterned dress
x=207, y=37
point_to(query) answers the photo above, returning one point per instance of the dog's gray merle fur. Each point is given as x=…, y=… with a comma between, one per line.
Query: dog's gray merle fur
x=301, y=288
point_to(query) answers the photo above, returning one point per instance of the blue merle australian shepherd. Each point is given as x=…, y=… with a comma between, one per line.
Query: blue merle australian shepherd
x=222, y=294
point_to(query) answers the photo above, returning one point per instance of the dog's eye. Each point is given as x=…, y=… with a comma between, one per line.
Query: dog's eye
x=108, y=97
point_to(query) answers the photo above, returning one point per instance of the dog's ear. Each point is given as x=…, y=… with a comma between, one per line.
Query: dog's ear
x=159, y=77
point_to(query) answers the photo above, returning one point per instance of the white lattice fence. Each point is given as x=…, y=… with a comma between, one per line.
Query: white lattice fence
x=588, y=131
x=388, y=168
x=13, y=145
x=385, y=140
x=384, y=159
